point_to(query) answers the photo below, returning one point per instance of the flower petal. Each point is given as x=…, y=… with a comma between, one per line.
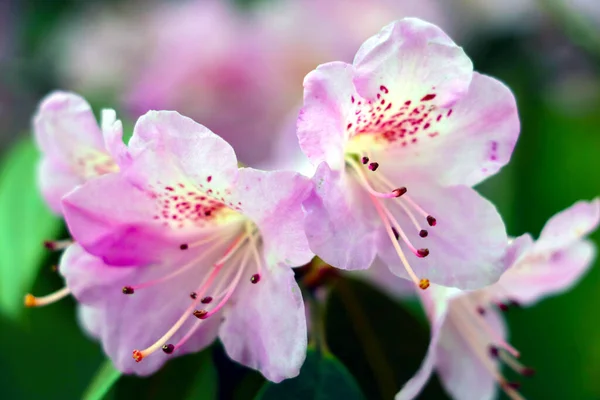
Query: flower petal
x=341, y=223
x=55, y=181
x=168, y=148
x=462, y=372
x=65, y=128
x=461, y=145
x=466, y=246
x=112, y=131
x=412, y=59
x=380, y=276
x=124, y=323
x=570, y=225
x=113, y=219
x=535, y=277
x=266, y=328
x=327, y=103
x=273, y=200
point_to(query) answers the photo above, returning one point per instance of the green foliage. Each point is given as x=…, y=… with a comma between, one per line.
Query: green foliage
x=103, y=381
x=322, y=377
x=26, y=223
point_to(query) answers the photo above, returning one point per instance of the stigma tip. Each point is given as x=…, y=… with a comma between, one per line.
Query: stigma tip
x=138, y=356
x=30, y=300
x=424, y=284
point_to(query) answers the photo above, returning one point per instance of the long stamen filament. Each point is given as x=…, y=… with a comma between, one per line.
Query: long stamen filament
x=422, y=283
x=139, y=355
x=365, y=181
x=32, y=301
x=405, y=239
x=57, y=244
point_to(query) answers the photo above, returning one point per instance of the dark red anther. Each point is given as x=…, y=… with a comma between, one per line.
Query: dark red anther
x=183, y=246
x=481, y=310
x=373, y=166
x=527, y=371
x=49, y=244
x=503, y=307
x=206, y=300
x=431, y=221
x=514, y=385
x=255, y=278
x=399, y=192
x=396, y=234
x=423, y=253
x=194, y=295
x=494, y=351
x=127, y=290
x=365, y=160
x=201, y=314
x=168, y=348
x=423, y=233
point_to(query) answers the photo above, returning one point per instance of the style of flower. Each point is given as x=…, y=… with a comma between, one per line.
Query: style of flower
x=468, y=341
x=74, y=150
x=399, y=136
x=181, y=245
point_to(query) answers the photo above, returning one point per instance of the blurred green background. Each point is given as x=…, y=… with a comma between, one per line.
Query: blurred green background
x=547, y=52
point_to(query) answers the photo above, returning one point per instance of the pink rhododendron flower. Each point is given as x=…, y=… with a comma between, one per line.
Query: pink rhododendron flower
x=73, y=150
x=72, y=145
x=468, y=341
x=181, y=246
x=398, y=137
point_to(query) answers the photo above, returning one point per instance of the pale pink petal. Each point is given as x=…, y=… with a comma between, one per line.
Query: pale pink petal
x=322, y=129
x=341, y=223
x=465, y=371
x=170, y=149
x=537, y=276
x=380, y=276
x=412, y=59
x=266, y=328
x=460, y=145
x=124, y=323
x=112, y=131
x=55, y=181
x=273, y=201
x=570, y=225
x=115, y=220
x=466, y=246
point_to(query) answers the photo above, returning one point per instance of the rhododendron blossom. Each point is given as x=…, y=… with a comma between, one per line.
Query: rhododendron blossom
x=399, y=136
x=183, y=246
x=74, y=150
x=468, y=341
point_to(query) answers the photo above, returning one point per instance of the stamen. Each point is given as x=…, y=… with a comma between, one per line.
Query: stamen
x=140, y=355
x=400, y=191
x=255, y=278
x=365, y=160
x=127, y=290
x=423, y=233
x=513, y=363
x=32, y=301
x=398, y=230
x=422, y=283
x=396, y=234
x=431, y=221
x=184, y=246
x=373, y=166
x=54, y=245
x=231, y=288
x=206, y=300
x=200, y=314
x=194, y=295
x=168, y=348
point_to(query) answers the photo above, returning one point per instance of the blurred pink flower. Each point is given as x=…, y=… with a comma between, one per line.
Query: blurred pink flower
x=468, y=335
x=238, y=71
x=181, y=218
x=409, y=111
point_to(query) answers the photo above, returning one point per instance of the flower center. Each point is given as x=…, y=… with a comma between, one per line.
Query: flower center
x=379, y=190
x=93, y=163
x=216, y=287
x=486, y=343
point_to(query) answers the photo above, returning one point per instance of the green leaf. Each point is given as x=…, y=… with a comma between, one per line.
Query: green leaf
x=321, y=377
x=204, y=385
x=105, y=378
x=26, y=223
x=381, y=342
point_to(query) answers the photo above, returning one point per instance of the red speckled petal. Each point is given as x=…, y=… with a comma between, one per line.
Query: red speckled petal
x=463, y=144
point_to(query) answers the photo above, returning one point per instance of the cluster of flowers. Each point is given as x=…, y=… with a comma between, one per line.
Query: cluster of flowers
x=174, y=244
